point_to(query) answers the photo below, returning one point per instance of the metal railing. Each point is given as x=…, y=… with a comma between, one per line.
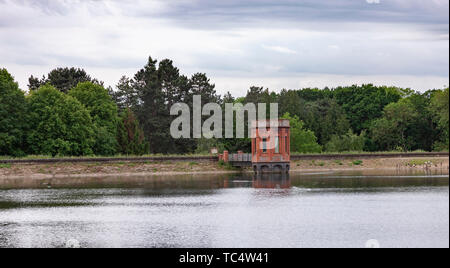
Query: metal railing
x=240, y=157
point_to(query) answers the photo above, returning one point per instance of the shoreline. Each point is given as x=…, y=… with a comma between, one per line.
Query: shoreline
x=211, y=158
x=177, y=168
x=203, y=173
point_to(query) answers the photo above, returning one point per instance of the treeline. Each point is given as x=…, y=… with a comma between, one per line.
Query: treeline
x=65, y=118
x=70, y=113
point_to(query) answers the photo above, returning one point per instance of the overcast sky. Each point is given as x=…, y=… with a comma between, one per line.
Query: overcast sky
x=237, y=43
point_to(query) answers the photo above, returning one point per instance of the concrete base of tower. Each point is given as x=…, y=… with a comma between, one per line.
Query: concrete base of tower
x=272, y=167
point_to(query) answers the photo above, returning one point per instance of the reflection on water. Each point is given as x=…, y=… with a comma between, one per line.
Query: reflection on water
x=329, y=209
x=272, y=181
x=331, y=179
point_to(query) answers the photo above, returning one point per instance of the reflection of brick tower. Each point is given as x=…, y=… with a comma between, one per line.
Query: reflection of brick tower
x=272, y=181
x=271, y=148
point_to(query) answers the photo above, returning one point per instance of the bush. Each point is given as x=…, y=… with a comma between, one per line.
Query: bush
x=5, y=165
x=346, y=143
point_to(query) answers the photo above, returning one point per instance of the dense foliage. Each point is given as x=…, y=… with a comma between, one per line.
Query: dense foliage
x=130, y=136
x=103, y=111
x=68, y=112
x=59, y=124
x=151, y=93
x=439, y=108
x=362, y=104
x=12, y=116
x=349, y=142
x=302, y=140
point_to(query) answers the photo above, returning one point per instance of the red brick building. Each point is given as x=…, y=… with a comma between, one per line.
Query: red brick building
x=271, y=148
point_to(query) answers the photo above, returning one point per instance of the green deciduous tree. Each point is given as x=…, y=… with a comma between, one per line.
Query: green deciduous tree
x=315, y=94
x=12, y=116
x=325, y=118
x=422, y=131
x=391, y=131
x=365, y=103
x=440, y=109
x=59, y=124
x=302, y=140
x=104, y=115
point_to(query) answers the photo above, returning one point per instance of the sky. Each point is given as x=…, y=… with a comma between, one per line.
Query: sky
x=275, y=44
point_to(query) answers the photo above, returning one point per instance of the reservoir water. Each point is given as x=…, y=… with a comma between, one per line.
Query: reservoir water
x=329, y=209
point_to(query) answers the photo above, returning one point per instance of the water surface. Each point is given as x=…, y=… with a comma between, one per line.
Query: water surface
x=344, y=209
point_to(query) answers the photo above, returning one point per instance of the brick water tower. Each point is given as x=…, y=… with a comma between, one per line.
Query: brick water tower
x=271, y=148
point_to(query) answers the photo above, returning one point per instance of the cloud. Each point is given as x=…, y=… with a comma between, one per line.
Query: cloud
x=280, y=49
x=288, y=41
x=305, y=13
x=373, y=1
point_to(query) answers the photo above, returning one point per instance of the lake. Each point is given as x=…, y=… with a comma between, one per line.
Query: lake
x=328, y=209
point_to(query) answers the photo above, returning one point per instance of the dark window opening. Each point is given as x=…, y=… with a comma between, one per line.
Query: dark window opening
x=286, y=145
x=277, y=145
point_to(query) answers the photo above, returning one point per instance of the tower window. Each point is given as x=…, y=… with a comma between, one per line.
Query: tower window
x=277, y=145
x=286, y=145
